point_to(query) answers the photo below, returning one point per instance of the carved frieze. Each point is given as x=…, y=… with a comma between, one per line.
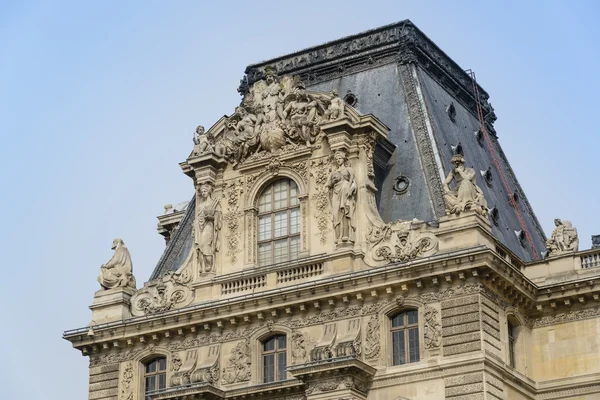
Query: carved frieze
x=238, y=364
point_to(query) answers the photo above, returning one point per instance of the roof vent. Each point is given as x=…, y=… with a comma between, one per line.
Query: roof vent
x=479, y=136
x=487, y=176
x=520, y=234
x=451, y=111
x=458, y=149
x=401, y=184
x=494, y=215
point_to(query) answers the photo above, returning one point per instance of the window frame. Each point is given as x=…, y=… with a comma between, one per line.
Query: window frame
x=156, y=374
x=275, y=353
x=272, y=212
x=406, y=327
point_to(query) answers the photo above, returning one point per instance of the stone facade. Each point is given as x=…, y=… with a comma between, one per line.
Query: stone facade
x=358, y=307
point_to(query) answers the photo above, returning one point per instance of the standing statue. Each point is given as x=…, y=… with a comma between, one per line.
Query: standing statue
x=206, y=228
x=466, y=195
x=336, y=107
x=563, y=239
x=342, y=188
x=118, y=271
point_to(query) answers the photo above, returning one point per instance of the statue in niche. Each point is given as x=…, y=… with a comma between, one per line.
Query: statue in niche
x=342, y=189
x=118, y=271
x=336, y=107
x=206, y=228
x=563, y=239
x=466, y=195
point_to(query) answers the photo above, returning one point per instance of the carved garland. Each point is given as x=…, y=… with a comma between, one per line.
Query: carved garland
x=320, y=198
x=433, y=328
x=127, y=383
x=233, y=215
x=373, y=341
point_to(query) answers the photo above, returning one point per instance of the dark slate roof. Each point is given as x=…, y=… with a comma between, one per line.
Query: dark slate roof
x=367, y=64
x=179, y=246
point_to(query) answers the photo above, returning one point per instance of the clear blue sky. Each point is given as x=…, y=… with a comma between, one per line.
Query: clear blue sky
x=99, y=100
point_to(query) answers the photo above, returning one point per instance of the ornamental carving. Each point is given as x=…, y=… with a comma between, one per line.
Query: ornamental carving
x=433, y=328
x=301, y=346
x=372, y=339
x=118, y=271
x=564, y=238
x=466, y=195
x=400, y=241
x=566, y=317
x=238, y=365
x=126, y=382
x=320, y=198
x=162, y=294
x=233, y=217
x=276, y=115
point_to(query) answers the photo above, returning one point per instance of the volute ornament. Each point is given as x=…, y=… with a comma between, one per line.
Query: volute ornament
x=466, y=195
x=564, y=238
x=400, y=241
x=118, y=271
x=162, y=294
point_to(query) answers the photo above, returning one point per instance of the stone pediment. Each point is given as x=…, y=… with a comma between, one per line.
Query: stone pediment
x=277, y=116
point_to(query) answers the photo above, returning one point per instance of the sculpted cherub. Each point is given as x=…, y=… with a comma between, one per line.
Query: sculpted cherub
x=118, y=271
x=202, y=143
x=335, y=110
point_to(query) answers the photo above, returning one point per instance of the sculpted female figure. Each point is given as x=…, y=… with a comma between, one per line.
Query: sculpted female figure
x=206, y=228
x=466, y=195
x=342, y=187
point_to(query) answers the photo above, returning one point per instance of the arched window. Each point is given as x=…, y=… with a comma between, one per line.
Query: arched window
x=274, y=358
x=155, y=375
x=405, y=337
x=278, y=223
x=512, y=334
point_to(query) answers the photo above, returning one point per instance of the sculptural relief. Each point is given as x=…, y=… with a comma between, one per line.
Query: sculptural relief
x=118, y=271
x=238, y=365
x=162, y=294
x=466, y=195
x=400, y=241
x=342, y=194
x=276, y=114
x=203, y=142
x=126, y=382
x=564, y=238
x=206, y=228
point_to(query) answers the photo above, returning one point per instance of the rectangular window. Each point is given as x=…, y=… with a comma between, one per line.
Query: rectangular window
x=264, y=254
x=294, y=221
x=269, y=368
x=280, y=251
x=281, y=224
x=294, y=247
x=413, y=344
x=281, y=363
x=264, y=227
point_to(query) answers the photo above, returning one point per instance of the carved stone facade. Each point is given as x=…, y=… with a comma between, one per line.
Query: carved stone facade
x=284, y=281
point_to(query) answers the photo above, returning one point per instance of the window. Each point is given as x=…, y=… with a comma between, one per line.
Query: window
x=274, y=359
x=405, y=337
x=511, y=344
x=278, y=223
x=155, y=375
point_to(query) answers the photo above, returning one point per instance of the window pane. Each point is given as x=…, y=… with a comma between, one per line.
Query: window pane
x=150, y=383
x=281, y=342
x=269, y=344
x=413, y=344
x=162, y=381
x=294, y=247
x=293, y=194
x=264, y=202
x=264, y=254
x=162, y=364
x=413, y=317
x=151, y=367
x=280, y=194
x=281, y=364
x=398, y=347
x=294, y=221
x=398, y=320
x=264, y=227
x=281, y=225
x=280, y=251
x=269, y=368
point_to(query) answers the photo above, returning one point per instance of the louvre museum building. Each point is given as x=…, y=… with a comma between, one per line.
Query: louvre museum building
x=355, y=232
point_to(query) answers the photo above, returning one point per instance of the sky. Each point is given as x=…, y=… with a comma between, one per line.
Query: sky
x=99, y=101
